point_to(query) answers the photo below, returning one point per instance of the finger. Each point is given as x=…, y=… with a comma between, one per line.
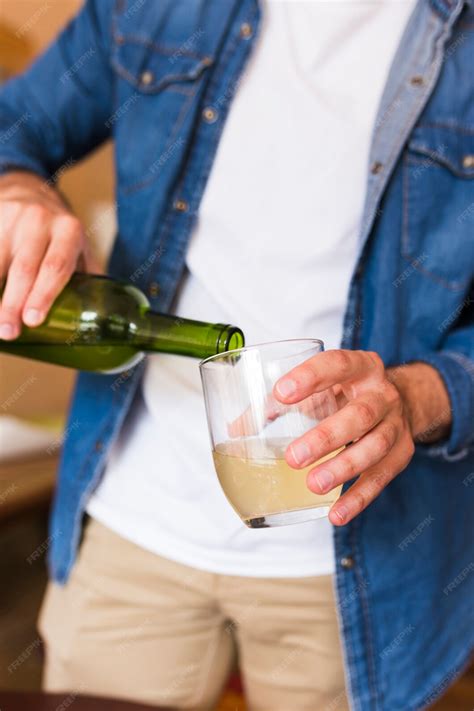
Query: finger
x=4, y=261
x=325, y=370
x=357, y=458
x=22, y=274
x=353, y=421
x=372, y=482
x=56, y=269
x=88, y=262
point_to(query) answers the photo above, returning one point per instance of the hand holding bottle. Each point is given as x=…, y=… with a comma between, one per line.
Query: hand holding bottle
x=41, y=245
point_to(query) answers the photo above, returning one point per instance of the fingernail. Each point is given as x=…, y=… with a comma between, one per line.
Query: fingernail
x=324, y=479
x=33, y=317
x=300, y=452
x=286, y=387
x=7, y=332
x=341, y=512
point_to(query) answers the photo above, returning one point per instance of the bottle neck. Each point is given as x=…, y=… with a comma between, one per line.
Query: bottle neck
x=171, y=334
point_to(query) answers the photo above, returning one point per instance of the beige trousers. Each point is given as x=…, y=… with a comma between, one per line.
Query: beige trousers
x=130, y=624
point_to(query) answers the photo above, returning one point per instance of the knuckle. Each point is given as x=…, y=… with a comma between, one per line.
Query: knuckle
x=384, y=440
x=10, y=309
x=380, y=480
x=37, y=212
x=365, y=414
x=347, y=467
x=72, y=226
x=377, y=362
x=24, y=267
x=57, y=263
x=360, y=500
x=342, y=362
x=323, y=438
x=12, y=208
x=410, y=449
x=391, y=394
x=43, y=298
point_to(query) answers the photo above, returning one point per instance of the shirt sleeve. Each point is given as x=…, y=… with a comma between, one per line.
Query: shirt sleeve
x=57, y=111
x=455, y=363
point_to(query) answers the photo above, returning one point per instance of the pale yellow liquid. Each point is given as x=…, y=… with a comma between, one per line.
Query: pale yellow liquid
x=258, y=482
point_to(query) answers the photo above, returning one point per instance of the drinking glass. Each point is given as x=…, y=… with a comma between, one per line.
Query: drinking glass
x=250, y=431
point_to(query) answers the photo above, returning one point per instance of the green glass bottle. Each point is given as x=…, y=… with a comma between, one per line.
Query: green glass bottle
x=102, y=325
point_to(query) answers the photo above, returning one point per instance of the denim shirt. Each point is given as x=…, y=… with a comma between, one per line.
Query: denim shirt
x=159, y=78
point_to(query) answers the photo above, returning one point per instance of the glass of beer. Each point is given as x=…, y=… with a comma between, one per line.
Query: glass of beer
x=250, y=431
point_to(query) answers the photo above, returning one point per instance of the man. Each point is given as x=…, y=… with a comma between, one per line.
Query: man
x=260, y=120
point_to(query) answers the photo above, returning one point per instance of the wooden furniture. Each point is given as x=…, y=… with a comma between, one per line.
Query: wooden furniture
x=26, y=484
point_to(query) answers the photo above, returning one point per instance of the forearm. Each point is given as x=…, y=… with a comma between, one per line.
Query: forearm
x=426, y=400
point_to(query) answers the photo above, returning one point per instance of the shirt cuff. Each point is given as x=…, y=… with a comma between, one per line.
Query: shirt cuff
x=7, y=165
x=457, y=371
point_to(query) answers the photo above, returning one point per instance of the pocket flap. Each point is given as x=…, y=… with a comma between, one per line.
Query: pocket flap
x=150, y=68
x=450, y=145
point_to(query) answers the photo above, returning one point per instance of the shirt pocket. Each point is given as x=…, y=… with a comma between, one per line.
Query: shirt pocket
x=156, y=93
x=438, y=203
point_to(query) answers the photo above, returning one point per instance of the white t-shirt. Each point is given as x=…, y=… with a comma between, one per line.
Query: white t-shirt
x=273, y=252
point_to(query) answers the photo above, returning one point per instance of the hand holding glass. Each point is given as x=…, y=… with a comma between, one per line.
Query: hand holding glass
x=250, y=431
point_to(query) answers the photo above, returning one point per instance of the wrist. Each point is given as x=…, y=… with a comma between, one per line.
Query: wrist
x=26, y=186
x=425, y=399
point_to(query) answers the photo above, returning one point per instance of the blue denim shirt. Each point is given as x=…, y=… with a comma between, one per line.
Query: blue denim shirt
x=144, y=72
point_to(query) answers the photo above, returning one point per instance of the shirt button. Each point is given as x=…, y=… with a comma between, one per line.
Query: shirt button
x=347, y=563
x=417, y=80
x=468, y=161
x=154, y=289
x=181, y=206
x=376, y=168
x=146, y=78
x=99, y=446
x=246, y=30
x=209, y=114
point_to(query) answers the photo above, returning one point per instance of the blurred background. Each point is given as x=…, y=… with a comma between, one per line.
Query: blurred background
x=34, y=397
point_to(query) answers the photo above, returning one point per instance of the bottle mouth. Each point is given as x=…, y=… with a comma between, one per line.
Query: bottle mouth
x=286, y=348
x=230, y=338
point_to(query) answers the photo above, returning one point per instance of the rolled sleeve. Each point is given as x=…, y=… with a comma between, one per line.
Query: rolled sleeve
x=457, y=372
